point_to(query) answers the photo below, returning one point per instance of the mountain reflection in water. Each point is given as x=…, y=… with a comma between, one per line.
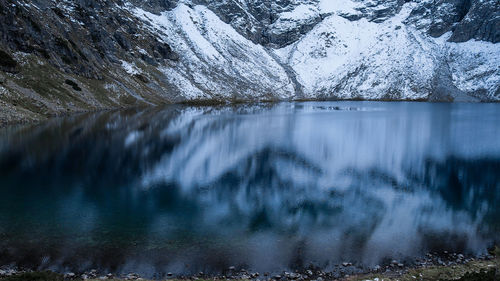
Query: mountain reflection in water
x=266, y=186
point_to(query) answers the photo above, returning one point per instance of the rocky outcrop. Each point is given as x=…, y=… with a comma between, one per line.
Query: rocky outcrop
x=482, y=22
x=466, y=19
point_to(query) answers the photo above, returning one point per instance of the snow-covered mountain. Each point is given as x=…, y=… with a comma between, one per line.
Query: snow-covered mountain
x=62, y=56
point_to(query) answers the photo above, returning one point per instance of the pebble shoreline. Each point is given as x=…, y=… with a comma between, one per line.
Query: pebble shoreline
x=344, y=270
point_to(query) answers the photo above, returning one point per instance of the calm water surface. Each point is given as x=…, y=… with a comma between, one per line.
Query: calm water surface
x=268, y=187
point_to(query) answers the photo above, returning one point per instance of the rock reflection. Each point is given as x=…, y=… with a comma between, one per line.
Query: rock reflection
x=270, y=187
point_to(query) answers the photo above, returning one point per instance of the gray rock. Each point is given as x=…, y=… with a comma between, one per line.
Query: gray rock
x=464, y=18
x=481, y=22
x=132, y=276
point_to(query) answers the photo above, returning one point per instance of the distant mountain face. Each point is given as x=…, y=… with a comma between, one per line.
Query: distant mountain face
x=60, y=56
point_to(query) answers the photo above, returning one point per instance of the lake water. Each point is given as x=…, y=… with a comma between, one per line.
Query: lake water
x=266, y=186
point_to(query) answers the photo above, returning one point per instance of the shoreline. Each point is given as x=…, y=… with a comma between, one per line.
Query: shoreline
x=433, y=267
x=18, y=118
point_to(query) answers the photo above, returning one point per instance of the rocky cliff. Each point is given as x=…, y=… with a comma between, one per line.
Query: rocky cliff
x=61, y=56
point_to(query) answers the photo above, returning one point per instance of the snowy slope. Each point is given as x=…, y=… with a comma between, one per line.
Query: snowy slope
x=389, y=60
x=475, y=67
x=215, y=61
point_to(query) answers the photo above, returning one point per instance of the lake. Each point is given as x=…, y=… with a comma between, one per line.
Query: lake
x=267, y=187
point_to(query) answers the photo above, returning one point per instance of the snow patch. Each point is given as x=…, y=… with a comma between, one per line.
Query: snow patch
x=301, y=12
x=130, y=68
x=338, y=6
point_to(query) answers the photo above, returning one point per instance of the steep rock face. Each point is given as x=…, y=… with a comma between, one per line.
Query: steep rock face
x=439, y=17
x=482, y=22
x=267, y=22
x=64, y=56
x=466, y=19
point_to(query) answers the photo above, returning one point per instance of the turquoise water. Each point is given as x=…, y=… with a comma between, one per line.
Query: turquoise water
x=266, y=186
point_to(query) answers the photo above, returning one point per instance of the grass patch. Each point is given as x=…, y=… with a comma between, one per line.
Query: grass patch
x=46, y=81
x=481, y=276
x=486, y=270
